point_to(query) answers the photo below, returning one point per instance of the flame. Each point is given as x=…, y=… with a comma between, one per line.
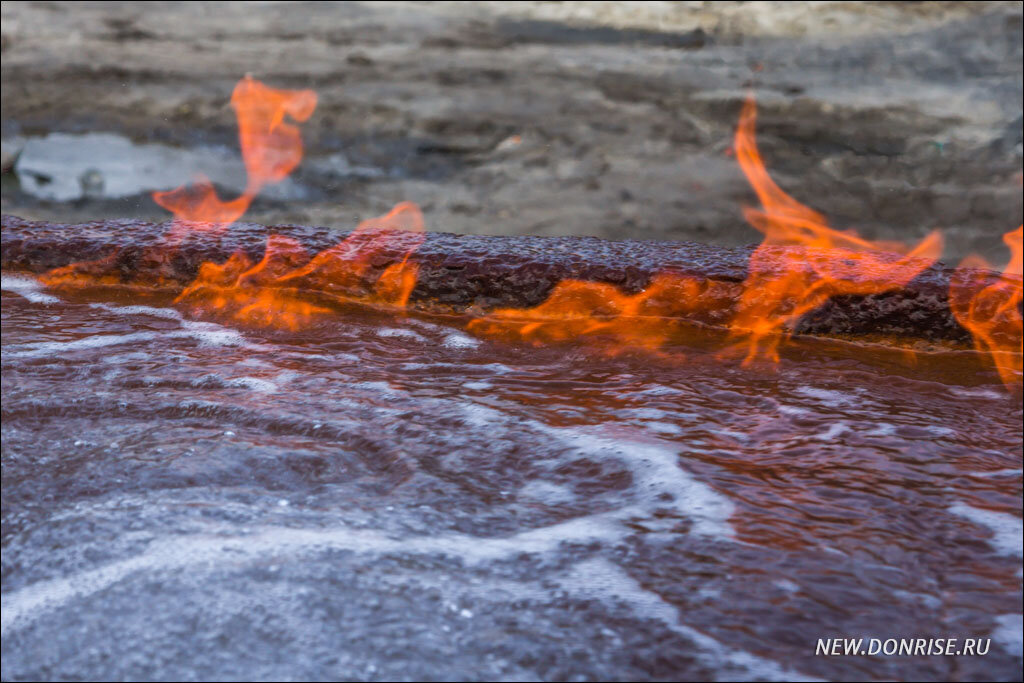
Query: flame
x=288, y=288
x=342, y=269
x=802, y=262
x=101, y=272
x=271, y=149
x=800, y=265
x=601, y=312
x=198, y=203
x=991, y=310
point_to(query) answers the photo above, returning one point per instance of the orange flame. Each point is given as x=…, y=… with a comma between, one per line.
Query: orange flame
x=602, y=313
x=289, y=289
x=271, y=149
x=342, y=269
x=802, y=262
x=991, y=311
x=800, y=265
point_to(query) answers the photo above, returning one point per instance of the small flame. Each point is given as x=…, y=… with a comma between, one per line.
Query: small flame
x=271, y=149
x=289, y=289
x=601, y=312
x=198, y=203
x=343, y=269
x=991, y=311
x=815, y=262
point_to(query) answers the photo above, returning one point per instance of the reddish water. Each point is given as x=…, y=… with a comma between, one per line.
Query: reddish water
x=383, y=497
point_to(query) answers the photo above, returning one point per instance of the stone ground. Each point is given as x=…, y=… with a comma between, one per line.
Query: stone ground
x=610, y=119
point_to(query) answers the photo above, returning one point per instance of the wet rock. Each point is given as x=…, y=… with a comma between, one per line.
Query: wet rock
x=475, y=272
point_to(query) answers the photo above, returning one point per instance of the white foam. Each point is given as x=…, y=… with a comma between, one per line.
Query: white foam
x=648, y=413
x=28, y=287
x=496, y=368
x=882, y=429
x=457, y=340
x=664, y=428
x=929, y=601
x=656, y=469
x=826, y=396
x=1000, y=473
x=211, y=334
x=1009, y=633
x=26, y=604
x=786, y=585
x=654, y=464
x=123, y=358
x=976, y=393
x=482, y=416
x=1007, y=529
x=601, y=579
x=834, y=430
x=206, y=334
x=792, y=410
x=140, y=310
x=939, y=430
x=96, y=341
x=735, y=436
x=400, y=332
x=546, y=492
x=262, y=386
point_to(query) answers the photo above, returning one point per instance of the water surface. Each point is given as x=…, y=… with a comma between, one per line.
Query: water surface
x=390, y=498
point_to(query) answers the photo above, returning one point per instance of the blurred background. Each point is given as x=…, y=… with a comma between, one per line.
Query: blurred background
x=551, y=118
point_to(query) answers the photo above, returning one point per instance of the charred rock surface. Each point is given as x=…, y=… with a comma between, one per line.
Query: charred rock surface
x=476, y=272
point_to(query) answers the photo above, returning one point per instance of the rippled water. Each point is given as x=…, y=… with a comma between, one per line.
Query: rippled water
x=387, y=497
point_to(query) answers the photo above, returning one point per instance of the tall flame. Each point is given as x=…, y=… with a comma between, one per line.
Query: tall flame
x=271, y=149
x=802, y=262
x=799, y=266
x=991, y=311
x=289, y=287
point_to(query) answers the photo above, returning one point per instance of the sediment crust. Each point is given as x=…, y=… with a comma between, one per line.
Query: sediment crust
x=475, y=273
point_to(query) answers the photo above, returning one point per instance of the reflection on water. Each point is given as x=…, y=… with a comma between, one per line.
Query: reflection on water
x=382, y=497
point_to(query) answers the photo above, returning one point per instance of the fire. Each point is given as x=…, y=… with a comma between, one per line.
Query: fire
x=289, y=288
x=799, y=266
x=604, y=315
x=271, y=149
x=199, y=204
x=802, y=262
x=577, y=308
x=990, y=308
x=343, y=269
